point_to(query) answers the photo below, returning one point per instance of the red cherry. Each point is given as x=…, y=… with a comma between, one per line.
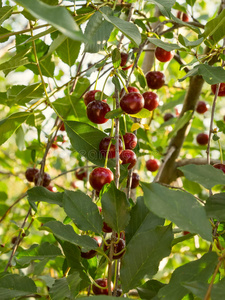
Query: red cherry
x=91, y=253
x=96, y=111
x=201, y=107
x=220, y=166
x=155, y=79
x=118, y=247
x=81, y=174
x=103, y=147
x=128, y=157
x=132, y=103
x=163, y=55
x=131, y=89
x=73, y=185
x=130, y=140
x=152, y=165
x=99, y=177
x=221, y=89
x=102, y=282
x=51, y=188
x=62, y=127
x=185, y=232
x=168, y=116
x=45, y=181
x=105, y=227
x=90, y=96
x=202, y=139
x=30, y=174
x=182, y=16
x=135, y=180
x=151, y=100
x=124, y=58
x=54, y=144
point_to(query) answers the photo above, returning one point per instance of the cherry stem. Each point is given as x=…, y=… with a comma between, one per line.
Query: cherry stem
x=124, y=86
x=107, y=154
x=96, y=82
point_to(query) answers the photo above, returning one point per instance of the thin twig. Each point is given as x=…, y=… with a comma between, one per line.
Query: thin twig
x=77, y=73
x=208, y=293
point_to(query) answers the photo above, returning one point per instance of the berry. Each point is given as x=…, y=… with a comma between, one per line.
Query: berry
x=51, y=188
x=152, y=165
x=182, y=16
x=220, y=166
x=105, y=227
x=14, y=239
x=62, y=127
x=45, y=181
x=91, y=253
x=128, y=157
x=151, y=100
x=117, y=248
x=124, y=60
x=131, y=89
x=168, y=116
x=202, y=139
x=90, y=96
x=81, y=174
x=30, y=174
x=99, y=177
x=54, y=144
x=135, y=180
x=132, y=103
x=104, y=144
x=73, y=184
x=96, y=111
x=155, y=79
x=163, y=55
x=102, y=282
x=130, y=140
x=201, y=107
x=221, y=89
x=185, y=232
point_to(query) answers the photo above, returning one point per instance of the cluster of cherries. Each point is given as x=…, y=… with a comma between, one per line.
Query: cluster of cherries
x=32, y=175
x=55, y=144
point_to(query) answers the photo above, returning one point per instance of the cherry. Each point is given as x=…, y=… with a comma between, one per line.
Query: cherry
x=201, y=107
x=131, y=89
x=14, y=239
x=117, y=248
x=81, y=174
x=185, y=232
x=152, y=165
x=155, y=79
x=45, y=181
x=105, y=227
x=168, y=116
x=99, y=177
x=73, y=184
x=54, y=144
x=163, y=55
x=130, y=140
x=124, y=60
x=102, y=282
x=221, y=89
x=104, y=144
x=220, y=166
x=62, y=127
x=135, y=180
x=202, y=139
x=51, y=188
x=182, y=16
x=30, y=174
x=96, y=111
x=151, y=100
x=91, y=253
x=90, y=96
x=132, y=103
x=128, y=157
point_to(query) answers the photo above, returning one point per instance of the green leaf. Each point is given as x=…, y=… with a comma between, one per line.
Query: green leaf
x=38, y=252
x=215, y=207
x=199, y=270
x=13, y=285
x=145, y=255
x=80, y=208
x=179, y=207
x=57, y=16
x=116, y=58
x=206, y=175
x=30, y=92
x=115, y=113
x=141, y=219
x=190, y=44
x=150, y=289
x=163, y=45
x=102, y=298
x=164, y=6
x=16, y=61
x=181, y=122
x=66, y=233
x=9, y=125
x=115, y=208
x=40, y=193
x=128, y=29
x=215, y=28
x=144, y=113
x=20, y=141
x=68, y=51
x=85, y=139
x=5, y=13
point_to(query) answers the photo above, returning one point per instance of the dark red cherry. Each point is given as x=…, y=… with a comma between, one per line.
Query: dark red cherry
x=163, y=55
x=201, y=107
x=182, y=16
x=45, y=181
x=155, y=79
x=91, y=253
x=152, y=165
x=220, y=166
x=168, y=116
x=202, y=139
x=105, y=227
x=117, y=248
x=30, y=174
x=221, y=89
x=62, y=127
x=103, y=283
x=51, y=188
x=151, y=100
x=185, y=232
x=99, y=177
x=135, y=180
x=131, y=89
x=104, y=144
x=124, y=61
x=130, y=140
x=132, y=103
x=96, y=111
x=128, y=157
x=90, y=96
x=81, y=174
